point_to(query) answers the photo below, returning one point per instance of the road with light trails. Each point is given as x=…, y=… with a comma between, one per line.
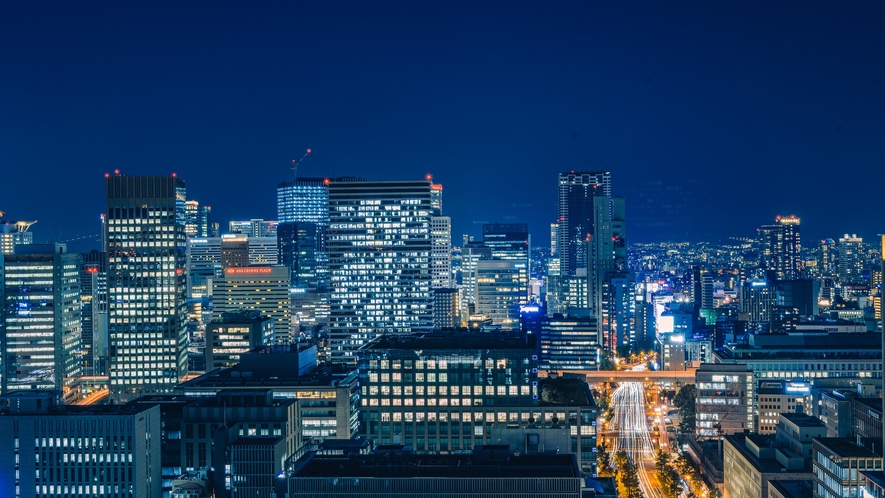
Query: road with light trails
x=631, y=435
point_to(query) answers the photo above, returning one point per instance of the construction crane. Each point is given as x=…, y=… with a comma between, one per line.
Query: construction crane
x=20, y=226
x=23, y=226
x=295, y=163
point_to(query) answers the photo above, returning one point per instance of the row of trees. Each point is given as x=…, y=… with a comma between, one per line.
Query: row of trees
x=669, y=478
x=628, y=476
x=684, y=401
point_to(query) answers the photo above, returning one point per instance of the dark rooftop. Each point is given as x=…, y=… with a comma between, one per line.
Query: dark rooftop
x=379, y=466
x=762, y=465
x=845, y=448
x=321, y=376
x=257, y=441
x=792, y=489
x=803, y=420
x=453, y=341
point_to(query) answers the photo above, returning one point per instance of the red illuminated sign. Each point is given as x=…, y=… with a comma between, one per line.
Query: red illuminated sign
x=248, y=270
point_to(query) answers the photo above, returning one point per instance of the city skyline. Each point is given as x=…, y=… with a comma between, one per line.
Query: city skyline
x=772, y=99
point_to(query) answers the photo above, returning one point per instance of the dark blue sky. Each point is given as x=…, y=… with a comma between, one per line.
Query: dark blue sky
x=723, y=114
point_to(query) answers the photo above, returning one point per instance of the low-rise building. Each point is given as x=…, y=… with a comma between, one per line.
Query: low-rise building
x=396, y=470
x=724, y=400
x=447, y=393
x=838, y=467
x=780, y=396
x=236, y=333
x=255, y=463
x=752, y=462
x=328, y=395
x=50, y=450
x=569, y=342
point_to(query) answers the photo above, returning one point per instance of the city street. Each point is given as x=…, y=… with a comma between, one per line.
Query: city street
x=629, y=430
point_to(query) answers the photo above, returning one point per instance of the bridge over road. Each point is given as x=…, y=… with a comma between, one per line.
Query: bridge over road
x=681, y=376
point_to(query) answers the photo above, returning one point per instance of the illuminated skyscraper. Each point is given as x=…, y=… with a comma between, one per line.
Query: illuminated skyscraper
x=254, y=228
x=379, y=247
x=305, y=200
x=780, y=247
x=255, y=288
x=40, y=324
x=94, y=306
x=198, y=219
x=436, y=191
x=576, y=193
x=610, y=284
x=146, y=284
x=850, y=260
x=441, y=257
x=13, y=233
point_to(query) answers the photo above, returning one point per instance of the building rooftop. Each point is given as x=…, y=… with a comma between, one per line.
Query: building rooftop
x=453, y=341
x=792, y=489
x=381, y=465
x=242, y=316
x=761, y=465
x=872, y=403
x=257, y=441
x=845, y=448
x=803, y=420
x=233, y=377
x=51, y=409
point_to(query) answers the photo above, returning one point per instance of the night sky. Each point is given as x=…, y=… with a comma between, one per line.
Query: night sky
x=713, y=117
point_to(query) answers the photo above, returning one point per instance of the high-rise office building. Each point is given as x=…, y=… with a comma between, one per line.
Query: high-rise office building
x=254, y=228
x=554, y=239
x=145, y=242
x=94, y=309
x=757, y=300
x=198, y=220
x=780, y=247
x=302, y=249
x=495, y=273
x=234, y=334
x=300, y=246
x=304, y=200
x=570, y=342
x=436, y=191
x=234, y=251
x=441, y=254
x=827, y=257
x=255, y=288
x=501, y=287
x=576, y=216
x=40, y=323
x=850, y=260
x=379, y=247
x=203, y=264
x=13, y=233
x=618, y=309
x=264, y=250
x=609, y=284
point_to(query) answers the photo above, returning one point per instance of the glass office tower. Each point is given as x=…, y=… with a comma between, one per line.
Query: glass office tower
x=379, y=247
x=145, y=237
x=40, y=324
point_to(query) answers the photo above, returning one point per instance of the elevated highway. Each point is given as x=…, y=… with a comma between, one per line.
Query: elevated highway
x=680, y=376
